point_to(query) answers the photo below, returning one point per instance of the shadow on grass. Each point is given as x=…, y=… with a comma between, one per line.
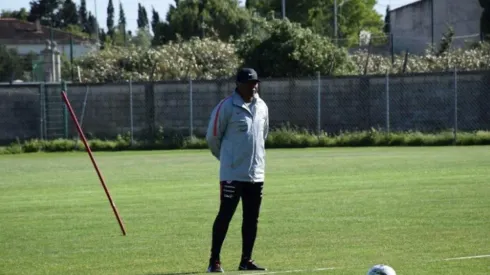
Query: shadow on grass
x=178, y=273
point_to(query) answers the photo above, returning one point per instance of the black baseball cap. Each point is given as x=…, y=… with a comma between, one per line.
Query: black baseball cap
x=246, y=75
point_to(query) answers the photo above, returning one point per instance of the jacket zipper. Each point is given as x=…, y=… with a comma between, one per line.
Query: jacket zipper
x=254, y=137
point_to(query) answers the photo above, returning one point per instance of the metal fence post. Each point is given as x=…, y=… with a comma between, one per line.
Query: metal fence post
x=65, y=111
x=41, y=112
x=87, y=89
x=131, y=133
x=455, y=130
x=82, y=115
x=45, y=110
x=191, y=110
x=319, y=104
x=388, y=101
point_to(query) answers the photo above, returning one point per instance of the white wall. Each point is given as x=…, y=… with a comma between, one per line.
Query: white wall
x=78, y=50
x=411, y=25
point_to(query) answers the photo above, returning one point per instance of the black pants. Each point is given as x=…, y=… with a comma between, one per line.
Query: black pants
x=230, y=194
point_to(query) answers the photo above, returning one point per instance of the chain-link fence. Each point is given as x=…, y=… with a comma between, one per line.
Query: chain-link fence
x=430, y=102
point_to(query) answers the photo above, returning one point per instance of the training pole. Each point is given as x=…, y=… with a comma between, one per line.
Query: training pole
x=87, y=147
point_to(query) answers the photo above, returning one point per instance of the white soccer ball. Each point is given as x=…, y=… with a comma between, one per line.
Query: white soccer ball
x=381, y=269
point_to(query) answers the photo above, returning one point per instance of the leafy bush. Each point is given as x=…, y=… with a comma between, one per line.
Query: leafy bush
x=285, y=137
x=278, y=48
x=476, y=57
x=197, y=59
x=195, y=143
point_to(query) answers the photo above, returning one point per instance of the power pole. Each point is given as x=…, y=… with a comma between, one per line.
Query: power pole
x=335, y=20
x=432, y=22
x=96, y=23
x=202, y=3
x=283, y=9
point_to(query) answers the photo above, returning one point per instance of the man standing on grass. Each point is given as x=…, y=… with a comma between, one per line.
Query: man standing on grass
x=236, y=136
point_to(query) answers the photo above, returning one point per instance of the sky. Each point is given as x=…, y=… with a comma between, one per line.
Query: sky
x=131, y=7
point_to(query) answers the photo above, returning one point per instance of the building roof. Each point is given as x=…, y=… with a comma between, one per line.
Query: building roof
x=408, y=5
x=15, y=31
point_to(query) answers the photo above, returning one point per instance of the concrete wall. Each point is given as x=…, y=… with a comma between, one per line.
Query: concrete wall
x=20, y=115
x=411, y=25
x=418, y=102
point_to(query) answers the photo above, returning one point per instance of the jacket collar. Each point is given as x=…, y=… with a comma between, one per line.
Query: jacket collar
x=238, y=100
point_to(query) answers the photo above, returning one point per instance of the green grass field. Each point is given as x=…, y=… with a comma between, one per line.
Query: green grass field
x=346, y=209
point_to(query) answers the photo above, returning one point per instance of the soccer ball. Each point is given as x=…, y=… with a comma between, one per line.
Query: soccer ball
x=381, y=269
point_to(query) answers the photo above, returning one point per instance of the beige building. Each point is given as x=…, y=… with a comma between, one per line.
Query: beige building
x=28, y=37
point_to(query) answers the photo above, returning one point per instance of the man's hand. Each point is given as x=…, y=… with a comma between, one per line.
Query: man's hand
x=217, y=127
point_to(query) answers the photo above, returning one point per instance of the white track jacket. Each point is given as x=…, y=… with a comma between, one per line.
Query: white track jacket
x=236, y=136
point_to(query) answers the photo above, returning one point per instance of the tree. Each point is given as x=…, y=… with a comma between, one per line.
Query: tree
x=21, y=14
x=387, y=26
x=92, y=25
x=281, y=48
x=77, y=30
x=68, y=14
x=159, y=34
x=164, y=34
x=191, y=18
x=83, y=16
x=353, y=16
x=263, y=7
x=142, y=20
x=251, y=4
x=142, y=38
x=104, y=39
x=110, y=19
x=10, y=64
x=122, y=18
x=446, y=41
x=484, y=4
x=200, y=18
x=47, y=11
x=158, y=27
x=155, y=19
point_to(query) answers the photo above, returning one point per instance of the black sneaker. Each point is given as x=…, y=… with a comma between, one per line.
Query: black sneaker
x=215, y=266
x=250, y=265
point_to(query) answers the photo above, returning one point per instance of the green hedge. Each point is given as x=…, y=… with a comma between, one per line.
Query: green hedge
x=282, y=138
